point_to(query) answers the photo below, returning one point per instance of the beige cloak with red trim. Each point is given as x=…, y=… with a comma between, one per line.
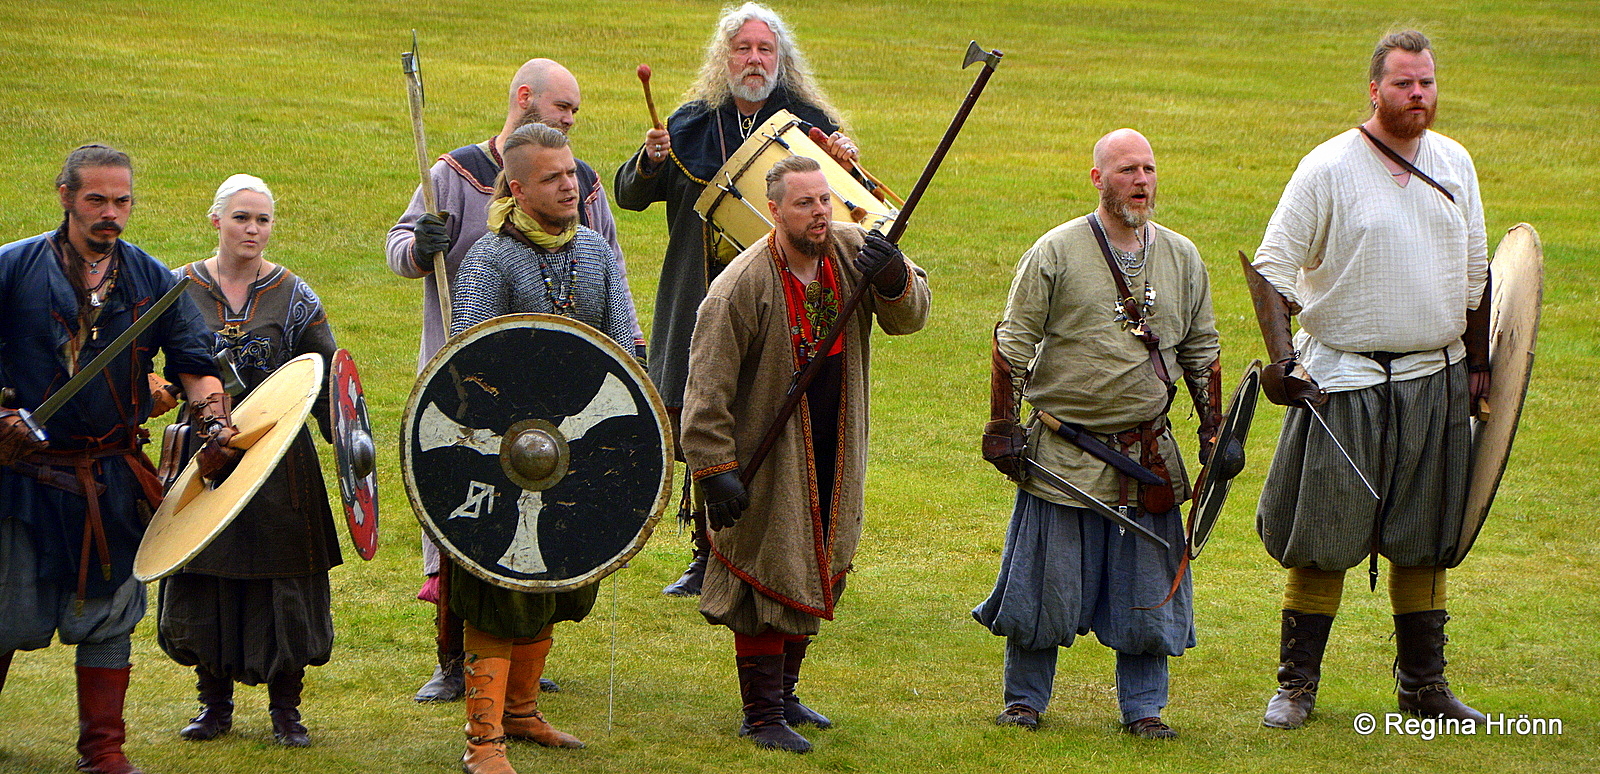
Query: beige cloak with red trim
x=774, y=569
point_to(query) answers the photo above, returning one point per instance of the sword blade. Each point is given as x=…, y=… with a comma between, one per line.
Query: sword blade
x=59, y=398
x=1340, y=447
x=1099, y=508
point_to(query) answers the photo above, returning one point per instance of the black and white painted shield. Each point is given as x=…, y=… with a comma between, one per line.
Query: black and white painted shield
x=536, y=452
x=1226, y=460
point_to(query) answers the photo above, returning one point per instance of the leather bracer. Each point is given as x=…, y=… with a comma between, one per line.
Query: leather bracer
x=1283, y=381
x=1004, y=438
x=1205, y=389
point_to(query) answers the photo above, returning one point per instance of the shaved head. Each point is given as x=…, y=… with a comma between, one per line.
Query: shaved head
x=539, y=75
x=1117, y=142
x=543, y=92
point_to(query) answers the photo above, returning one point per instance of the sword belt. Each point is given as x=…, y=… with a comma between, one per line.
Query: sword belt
x=43, y=467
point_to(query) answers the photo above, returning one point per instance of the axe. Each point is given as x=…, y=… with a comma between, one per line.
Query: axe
x=411, y=65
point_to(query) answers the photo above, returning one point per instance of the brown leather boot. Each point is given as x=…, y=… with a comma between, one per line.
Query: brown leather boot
x=1419, y=668
x=761, y=686
x=522, y=717
x=101, y=731
x=283, y=704
x=216, y=707
x=486, y=681
x=794, y=712
x=1304, y=637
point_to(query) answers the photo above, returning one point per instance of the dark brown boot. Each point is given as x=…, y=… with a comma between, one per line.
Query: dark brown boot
x=1419, y=668
x=761, y=686
x=101, y=731
x=795, y=713
x=283, y=703
x=216, y=707
x=694, y=576
x=1300, y=647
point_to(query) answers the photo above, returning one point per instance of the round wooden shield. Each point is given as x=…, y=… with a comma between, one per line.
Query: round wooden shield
x=1226, y=460
x=354, y=454
x=536, y=452
x=1517, y=277
x=195, y=511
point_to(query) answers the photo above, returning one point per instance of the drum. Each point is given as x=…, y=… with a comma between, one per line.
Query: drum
x=735, y=202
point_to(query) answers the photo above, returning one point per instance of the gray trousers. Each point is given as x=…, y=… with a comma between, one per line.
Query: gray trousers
x=1141, y=681
x=32, y=611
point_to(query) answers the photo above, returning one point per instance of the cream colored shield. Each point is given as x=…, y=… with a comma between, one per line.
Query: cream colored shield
x=1517, y=276
x=195, y=511
x=735, y=203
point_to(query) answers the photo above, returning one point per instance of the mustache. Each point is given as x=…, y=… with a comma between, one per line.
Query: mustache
x=114, y=228
x=755, y=70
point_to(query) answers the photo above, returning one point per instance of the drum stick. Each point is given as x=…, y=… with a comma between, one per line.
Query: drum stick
x=872, y=182
x=649, y=99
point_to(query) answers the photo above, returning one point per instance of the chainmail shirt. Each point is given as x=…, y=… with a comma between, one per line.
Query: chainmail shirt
x=501, y=275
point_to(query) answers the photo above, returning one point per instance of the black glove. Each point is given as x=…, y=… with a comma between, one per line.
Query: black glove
x=1004, y=442
x=432, y=238
x=1282, y=387
x=641, y=354
x=881, y=261
x=725, y=498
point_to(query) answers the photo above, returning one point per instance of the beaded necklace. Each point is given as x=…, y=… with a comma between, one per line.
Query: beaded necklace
x=563, y=304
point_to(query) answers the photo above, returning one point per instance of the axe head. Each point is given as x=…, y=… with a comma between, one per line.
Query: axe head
x=975, y=53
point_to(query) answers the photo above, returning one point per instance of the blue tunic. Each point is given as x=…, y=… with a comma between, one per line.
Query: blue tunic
x=38, y=314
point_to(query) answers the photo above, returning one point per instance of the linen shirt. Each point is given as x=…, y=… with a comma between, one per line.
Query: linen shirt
x=1377, y=266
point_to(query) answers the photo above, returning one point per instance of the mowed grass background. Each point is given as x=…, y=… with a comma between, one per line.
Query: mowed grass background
x=309, y=96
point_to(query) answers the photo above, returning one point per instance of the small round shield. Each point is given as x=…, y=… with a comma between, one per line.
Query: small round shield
x=1226, y=460
x=1517, y=284
x=354, y=454
x=536, y=452
x=195, y=511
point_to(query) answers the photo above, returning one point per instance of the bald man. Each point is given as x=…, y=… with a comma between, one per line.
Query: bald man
x=1095, y=367
x=463, y=180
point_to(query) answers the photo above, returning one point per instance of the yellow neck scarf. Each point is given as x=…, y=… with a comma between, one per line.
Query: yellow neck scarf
x=505, y=208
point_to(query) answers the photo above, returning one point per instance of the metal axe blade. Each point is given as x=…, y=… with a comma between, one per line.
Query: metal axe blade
x=976, y=53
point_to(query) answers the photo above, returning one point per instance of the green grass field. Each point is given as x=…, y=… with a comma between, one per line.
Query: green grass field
x=309, y=96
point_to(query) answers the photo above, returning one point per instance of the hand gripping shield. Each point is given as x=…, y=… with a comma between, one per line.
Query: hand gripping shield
x=353, y=453
x=536, y=452
x=1517, y=282
x=1225, y=461
x=195, y=511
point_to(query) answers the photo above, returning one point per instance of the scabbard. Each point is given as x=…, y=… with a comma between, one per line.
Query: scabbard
x=1082, y=439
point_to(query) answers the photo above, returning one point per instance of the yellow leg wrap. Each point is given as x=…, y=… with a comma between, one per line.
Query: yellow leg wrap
x=1416, y=589
x=1313, y=591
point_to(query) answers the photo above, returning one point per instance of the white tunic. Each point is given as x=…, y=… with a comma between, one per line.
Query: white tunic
x=1377, y=266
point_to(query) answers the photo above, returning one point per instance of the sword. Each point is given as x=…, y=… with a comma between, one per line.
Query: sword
x=37, y=418
x=1340, y=447
x=1092, y=445
x=1098, y=508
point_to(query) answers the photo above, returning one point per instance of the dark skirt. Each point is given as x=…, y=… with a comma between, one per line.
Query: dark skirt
x=511, y=615
x=246, y=630
x=1413, y=442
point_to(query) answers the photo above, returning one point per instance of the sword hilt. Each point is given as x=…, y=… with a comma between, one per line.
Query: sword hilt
x=34, y=428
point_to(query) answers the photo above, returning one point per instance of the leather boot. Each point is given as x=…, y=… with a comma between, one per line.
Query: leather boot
x=761, y=686
x=795, y=713
x=487, y=680
x=446, y=683
x=522, y=717
x=283, y=703
x=101, y=731
x=1419, y=668
x=216, y=707
x=1305, y=636
x=5, y=667
x=688, y=584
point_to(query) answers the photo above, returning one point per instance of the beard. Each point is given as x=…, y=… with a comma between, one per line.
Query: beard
x=1401, y=124
x=769, y=82
x=1122, y=207
x=101, y=237
x=801, y=241
x=533, y=116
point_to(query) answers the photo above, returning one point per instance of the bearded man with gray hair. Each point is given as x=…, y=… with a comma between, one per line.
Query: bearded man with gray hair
x=752, y=69
x=1378, y=246
x=1105, y=312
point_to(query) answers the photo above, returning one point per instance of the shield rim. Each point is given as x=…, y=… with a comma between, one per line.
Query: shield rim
x=186, y=489
x=1481, y=489
x=1201, y=511
x=594, y=336
x=344, y=365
